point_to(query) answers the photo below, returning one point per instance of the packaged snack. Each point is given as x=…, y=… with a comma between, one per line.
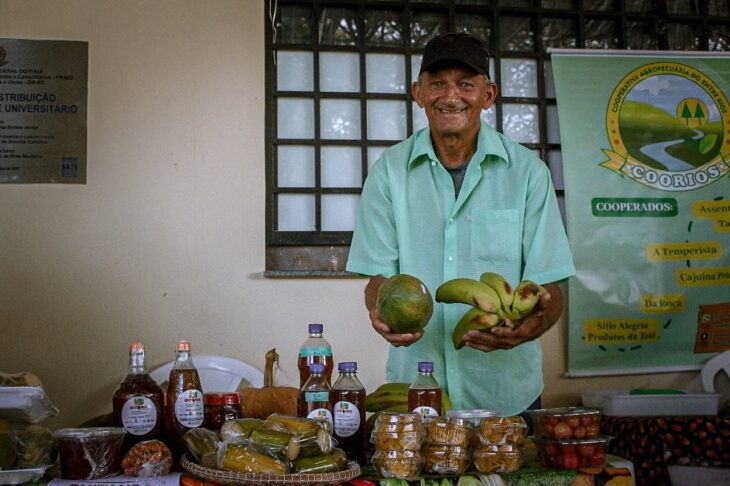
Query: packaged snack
x=497, y=458
x=446, y=459
x=502, y=430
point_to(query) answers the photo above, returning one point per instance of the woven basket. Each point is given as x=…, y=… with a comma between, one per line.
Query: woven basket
x=253, y=479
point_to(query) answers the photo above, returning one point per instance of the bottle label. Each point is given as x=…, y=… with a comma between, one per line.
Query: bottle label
x=426, y=411
x=316, y=396
x=139, y=415
x=315, y=351
x=189, y=408
x=347, y=418
x=321, y=414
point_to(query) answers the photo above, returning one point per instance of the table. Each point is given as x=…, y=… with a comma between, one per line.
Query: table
x=653, y=443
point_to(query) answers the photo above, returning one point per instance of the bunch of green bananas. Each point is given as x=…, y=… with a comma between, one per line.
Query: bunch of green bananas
x=494, y=302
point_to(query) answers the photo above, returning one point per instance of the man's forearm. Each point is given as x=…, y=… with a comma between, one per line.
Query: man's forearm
x=371, y=290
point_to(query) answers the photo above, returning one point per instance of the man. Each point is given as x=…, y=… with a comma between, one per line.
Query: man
x=455, y=200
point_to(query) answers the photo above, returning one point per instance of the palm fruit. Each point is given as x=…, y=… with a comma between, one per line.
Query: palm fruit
x=473, y=319
x=527, y=295
x=469, y=291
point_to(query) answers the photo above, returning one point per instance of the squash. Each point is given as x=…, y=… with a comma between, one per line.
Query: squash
x=262, y=402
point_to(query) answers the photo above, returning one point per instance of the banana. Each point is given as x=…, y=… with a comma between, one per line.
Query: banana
x=503, y=288
x=473, y=319
x=391, y=387
x=386, y=396
x=527, y=295
x=469, y=291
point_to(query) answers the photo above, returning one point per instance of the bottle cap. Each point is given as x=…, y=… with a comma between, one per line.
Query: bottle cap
x=425, y=367
x=182, y=346
x=315, y=328
x=347, y=366
x=136, y=346
x=316, y=368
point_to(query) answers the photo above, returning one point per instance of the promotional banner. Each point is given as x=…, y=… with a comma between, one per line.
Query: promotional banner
x=43, y=92
x=645, y=139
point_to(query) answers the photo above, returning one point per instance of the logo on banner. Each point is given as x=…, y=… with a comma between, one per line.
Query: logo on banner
x=669, y=128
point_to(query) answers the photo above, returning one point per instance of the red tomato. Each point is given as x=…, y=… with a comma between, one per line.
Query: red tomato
x=573, y=422
x=586, y=420
x=585, y=450
x=593, y=430
x=579, y=432
x=570, y=460
x=598, y=457
x=562, y=431
x=550, y=420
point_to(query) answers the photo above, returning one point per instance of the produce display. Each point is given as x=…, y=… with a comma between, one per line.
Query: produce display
x=494, y=302
x=567, y=423
x=398, y=440
x=280, y=444
x=393, y=397
x=404, y=303
x=568, y=437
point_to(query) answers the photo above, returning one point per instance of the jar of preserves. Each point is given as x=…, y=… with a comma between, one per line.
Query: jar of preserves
x=220, y=407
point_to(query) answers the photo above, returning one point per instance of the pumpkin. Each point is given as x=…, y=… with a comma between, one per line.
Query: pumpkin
x=262, y=402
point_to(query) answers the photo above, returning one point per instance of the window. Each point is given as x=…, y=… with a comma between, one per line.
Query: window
x=338, y=79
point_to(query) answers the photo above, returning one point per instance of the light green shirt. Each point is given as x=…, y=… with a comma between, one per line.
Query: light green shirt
x=505, y=220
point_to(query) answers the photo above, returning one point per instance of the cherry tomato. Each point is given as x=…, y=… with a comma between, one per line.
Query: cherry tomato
x=579, y=432
x=585, y=450
x=593, y=430
x=570, y=460
x=573, y=421
x=598, y=457
x=586, y=420
x=562, y=431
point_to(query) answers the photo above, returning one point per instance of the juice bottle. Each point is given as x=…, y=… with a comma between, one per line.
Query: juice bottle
x=424, y=394
x=348, y=409
x=315, y=396
x=315, y=349
x=184, y=409
x=138, y=403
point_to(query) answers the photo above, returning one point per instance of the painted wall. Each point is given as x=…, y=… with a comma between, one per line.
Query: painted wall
x=166, y=240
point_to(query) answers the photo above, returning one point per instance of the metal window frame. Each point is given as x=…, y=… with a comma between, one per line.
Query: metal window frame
x=324, y=254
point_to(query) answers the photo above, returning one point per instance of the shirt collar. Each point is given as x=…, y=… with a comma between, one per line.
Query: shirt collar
x=488, y=143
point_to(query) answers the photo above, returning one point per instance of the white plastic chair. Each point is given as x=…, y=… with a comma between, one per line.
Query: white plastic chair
x=217, y=373
x=719, y=362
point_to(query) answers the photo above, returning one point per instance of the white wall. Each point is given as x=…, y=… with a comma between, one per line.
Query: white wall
x=166, y=239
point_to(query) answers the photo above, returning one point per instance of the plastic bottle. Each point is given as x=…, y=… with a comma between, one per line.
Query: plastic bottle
x=424, y=394
x=348, y=409
x=184, y=409
x=315, y=349
x=315, y=397
x=138, y=404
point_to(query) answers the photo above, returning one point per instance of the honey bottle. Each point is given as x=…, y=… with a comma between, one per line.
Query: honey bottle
x=184, y=405
x=315, y=397
x=348, y=409
x=424, y=394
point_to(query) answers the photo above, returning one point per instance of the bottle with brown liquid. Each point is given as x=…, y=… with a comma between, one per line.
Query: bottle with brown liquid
x=315, y=397
x=348, y=409
x=138, y=403
x=424, y=394
x=315, y=349
x=184, y=409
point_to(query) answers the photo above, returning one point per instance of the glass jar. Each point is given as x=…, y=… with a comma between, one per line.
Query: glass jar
x=220, y=408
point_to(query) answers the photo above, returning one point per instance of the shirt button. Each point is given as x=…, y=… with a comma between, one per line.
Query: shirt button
x=451, y=259
x=433, y=163
x=451, y=220
x=451, y=372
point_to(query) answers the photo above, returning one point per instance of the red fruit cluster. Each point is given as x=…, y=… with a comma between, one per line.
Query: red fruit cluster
x=573, y=454
x=583, y=426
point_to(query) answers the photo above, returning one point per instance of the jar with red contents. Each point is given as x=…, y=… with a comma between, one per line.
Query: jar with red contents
x=221, y=407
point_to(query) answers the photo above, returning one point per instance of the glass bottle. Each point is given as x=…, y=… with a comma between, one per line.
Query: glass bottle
x=184, y=409
x=138, y=404
x=315, y=349
x=424, y=394
x=348, y=409
x=220, y=407
x=315, y=396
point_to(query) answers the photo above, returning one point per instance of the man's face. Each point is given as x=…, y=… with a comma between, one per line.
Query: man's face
x=453, y=98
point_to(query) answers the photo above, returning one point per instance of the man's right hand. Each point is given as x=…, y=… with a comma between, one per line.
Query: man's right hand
x=393, y=338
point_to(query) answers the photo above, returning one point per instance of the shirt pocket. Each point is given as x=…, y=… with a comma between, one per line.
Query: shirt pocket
x=496, y=235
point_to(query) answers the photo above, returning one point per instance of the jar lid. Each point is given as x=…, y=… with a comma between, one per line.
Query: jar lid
x=221, y=398
x=472, y=413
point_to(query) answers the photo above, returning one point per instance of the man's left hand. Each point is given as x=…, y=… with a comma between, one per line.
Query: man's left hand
x=529, y=328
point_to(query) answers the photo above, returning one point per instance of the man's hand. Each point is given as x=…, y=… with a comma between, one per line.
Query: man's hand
x=371, y=293
x=531, y=327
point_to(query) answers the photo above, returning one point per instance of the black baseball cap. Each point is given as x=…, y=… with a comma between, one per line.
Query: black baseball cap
x=456, y=47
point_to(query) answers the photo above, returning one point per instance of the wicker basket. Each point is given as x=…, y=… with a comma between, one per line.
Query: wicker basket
x=253, y=479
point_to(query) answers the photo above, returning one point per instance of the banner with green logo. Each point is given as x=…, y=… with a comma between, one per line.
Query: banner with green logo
x=645, y=140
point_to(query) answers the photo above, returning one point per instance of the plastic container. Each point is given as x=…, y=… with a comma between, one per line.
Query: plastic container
x=448, y=431
x=446, y=459
x=566, y=422
x=90, y=452
x=424, y=394
x=497, y=458
x=348, y=409
x=398, y=432
x=502, y=430
x=473, y=415
x=621, y=403
x=573, y=453
x=314, y=396
x=405, y=464
x=27, y=404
